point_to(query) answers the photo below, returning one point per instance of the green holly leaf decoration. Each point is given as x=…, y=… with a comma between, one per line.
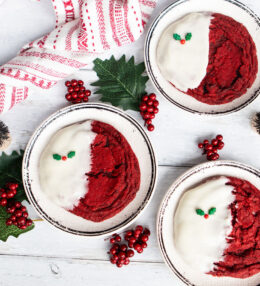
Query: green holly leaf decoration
x=212, y=211
x=56, y=157
x=11, y=171
x=188, y=36
x=120, y=82
x=177, y=37
x=6, y=231
x=200, y=212
x=71, y=154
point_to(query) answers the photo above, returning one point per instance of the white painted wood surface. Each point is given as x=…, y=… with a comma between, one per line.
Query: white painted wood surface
x=47, y=256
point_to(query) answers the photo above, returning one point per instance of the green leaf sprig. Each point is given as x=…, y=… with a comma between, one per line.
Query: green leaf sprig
x=58, y=157
x=177, y=37
x=121, y=82
x=211, y=211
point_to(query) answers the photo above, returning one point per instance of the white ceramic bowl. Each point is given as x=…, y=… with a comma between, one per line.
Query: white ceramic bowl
x=135, y=136
x=165, y=221
x=178, y=9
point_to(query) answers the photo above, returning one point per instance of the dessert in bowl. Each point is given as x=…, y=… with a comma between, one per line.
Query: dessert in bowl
x=84, y=173
x=208, y=225
x=203, y=55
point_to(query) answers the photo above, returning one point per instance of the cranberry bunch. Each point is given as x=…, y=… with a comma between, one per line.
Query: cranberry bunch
x=77, y=92
x=137, y=239
x=19, y=214
x=212, y=149
x=148, y=109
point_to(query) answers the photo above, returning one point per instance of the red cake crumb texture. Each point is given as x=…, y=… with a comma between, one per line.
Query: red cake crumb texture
x=242, y=256
x=114, y=178
x=232, y=66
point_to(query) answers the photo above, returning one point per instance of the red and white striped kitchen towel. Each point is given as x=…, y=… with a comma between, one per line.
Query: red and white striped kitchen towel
x=84, y=28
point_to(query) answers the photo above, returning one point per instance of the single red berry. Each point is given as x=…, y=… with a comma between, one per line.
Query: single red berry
x=23, y=209
x=183, y=41
x=18, y=213
x=112, y=240
x=132, y=239
x=206, y=216
x=129, y=233
x=150, y=127
x=13, y=217
x=10, y=194
x=140, y=250
x=118, y=264
x=74, y=82
x=209, y=153
x=146, y=115
x=85, y=98
x=112, y=250
x=220, y=145
x=144, y=238
x=137, y=233
x=64, y=158
x=130, y=244
x=144, y=245
x=146, y=231
x=3, y=202
x=214, y=157
x=10, y=210
x=214, y=142
x=215, y=150
x=205, y=142
x=219, y=137
x=130, y=253
x=82, y=88
x=156, y=103
x=4, y=195
x=22, y=226
x=118, y=238
x=137, y=246
x=87, y=92
x=142, y=106
x=112, y=260
x=156, y=110
x=21, y=221
x=150, y=109
x=127, y=261
x=115, y=256
x=81, y=94
x=76, y=88
x=29, y=222
x=149, y=102
x=208, y=147
x=152, y=96
x=74, y=95
x=145, y=98
x=200, y=145
x=2, y=190
x=67, y=83
x=151, y=115
x=126, y=237
x=148, y=121
x=13, y=186
x=121, y=255
x=18, y=205
x=123, y=247
x=9, y=222
x=139, y=227
x=80, y=82
x=70, y=89
x=15, y=223
x=68, y=96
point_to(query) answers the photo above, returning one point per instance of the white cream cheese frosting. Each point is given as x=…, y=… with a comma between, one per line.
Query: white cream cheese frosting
x=200, y=241
x=185, y=65
x=65, y=182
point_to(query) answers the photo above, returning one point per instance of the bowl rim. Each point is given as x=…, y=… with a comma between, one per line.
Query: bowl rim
x=153, y=78
x=163, y=205
x=26, y=168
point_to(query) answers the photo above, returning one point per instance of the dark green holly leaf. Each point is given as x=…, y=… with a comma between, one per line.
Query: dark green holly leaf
x=200, y=212
x=56, y=157
x=71, y=154
x=6, y=231
x=188, y=36
x=177, y=37
x=11, y=171
x=212, y=211
x=120, y=82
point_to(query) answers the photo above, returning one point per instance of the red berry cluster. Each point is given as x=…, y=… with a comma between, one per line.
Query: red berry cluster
x=77, y=92
x=136, y=239
x=212, y=149
x=19, y=214
x=148, y=109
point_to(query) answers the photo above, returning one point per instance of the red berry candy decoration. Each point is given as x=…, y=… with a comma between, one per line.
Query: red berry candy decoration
x=77, y=92
x=148, y=108
x=136, y=239
x=211, y=149
x=18, y=212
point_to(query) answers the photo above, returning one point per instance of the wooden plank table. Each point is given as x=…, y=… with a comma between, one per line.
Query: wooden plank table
x=48, y=256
